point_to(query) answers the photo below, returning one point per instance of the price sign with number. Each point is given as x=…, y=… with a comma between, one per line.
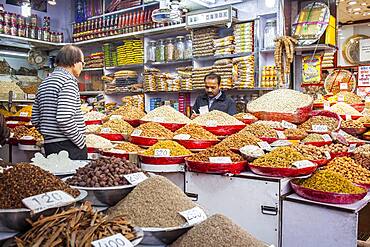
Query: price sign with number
x=162, y=152
x=343, y=86
x=135, y=178
x=105, y=130
x=326, y=138
x=182, y=137
x=303, y=164
x=247, y=116
x=281, y=143
x=351, y=148
x=220, y=160
x=115, y=117
x=320, y=128
x=194, y=216
x=23, y=114
x=288, y=125
x=136, y=132
x=12, y=122
x=48, y=200
x=264, y=146
x=281, y=134
x=340, y=98
x=327, y=155
x=327, y=106
x=117, y=240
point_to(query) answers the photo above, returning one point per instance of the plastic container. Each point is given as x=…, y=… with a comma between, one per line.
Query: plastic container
x=91, y=122
x=318, y=144
x=282, y=172
x=268, y=139
x=216, y=168
x=150, y=56
x=171, y=126
x=169, y=50
x=133, y=123
x=159, y=51
x=188, y=52
x=143, y=141
x=180, y=48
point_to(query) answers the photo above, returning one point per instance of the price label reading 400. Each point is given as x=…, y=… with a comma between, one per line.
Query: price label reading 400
x=117, y=240
x=135, y=178
x=162, y=153
x=48, y=200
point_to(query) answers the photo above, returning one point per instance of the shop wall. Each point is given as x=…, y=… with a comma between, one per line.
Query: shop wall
x=61, y=15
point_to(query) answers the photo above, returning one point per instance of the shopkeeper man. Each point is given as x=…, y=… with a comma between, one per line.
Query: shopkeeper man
x=213, y=98
x=57, y=109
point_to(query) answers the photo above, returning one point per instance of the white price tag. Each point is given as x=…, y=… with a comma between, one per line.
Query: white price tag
x=281, y=143
x=31, y=96
x=327, y=106
x=105, y=130
x=182, y=137
x=211, y=123
x=348, y=117
x=327, y=155
x=158, y=119
x=248, y=116
x=343, y=86
x=115, y=117
x=264, y=146
x=288, y=125
x=117, y=240
x=194, y=216
x=135, y=178
x=220, y=160
x=12, y=122
x=320, y=128
x=23, y=114
x=303, y=164
x=326, y=138
x=136, y=132
x=351, y=148
x=340, y=98
x=162, y=152
x=26, y=138
x=48, y=200
x=280, y=134
x=203, y=109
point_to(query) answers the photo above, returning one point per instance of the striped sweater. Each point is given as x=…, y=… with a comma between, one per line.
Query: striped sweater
x=57, y=109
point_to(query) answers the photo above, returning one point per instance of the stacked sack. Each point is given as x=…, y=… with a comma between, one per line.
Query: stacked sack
x=203, y=41
x=198, y=76
x=224, y=68
x=243, y=72
x=135, y=101
x=185, y=74
x=150, y=75
x=328, y=60
x=173, y=82
x=94, y=60
x=124, y=81
x=224, y=46
x=131, y=52
x=243, y=34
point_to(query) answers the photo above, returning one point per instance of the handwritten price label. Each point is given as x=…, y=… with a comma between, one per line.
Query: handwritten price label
x=23, y=114
x=264, y=146
x=340, y=98
x=194, y=216
x=115, y=117
x=351, y=148
x=288, y=125
x=281, y=143
x=343, y=86
x=348, y=117
x=326, y=138
x=247, y=116
x=117, y=240
x=320, y=128
x=281, y=134
x=135, y=178
x=303, y=164
x=182, y=137
x=327, y=155
x=162, y=152
x=136, y=132
x=105, y=130
x=158, y=119
x=48, y=200
x=327, y=106
x=220, y=160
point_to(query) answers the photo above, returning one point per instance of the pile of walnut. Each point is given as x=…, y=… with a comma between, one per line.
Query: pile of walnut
x=284, y=52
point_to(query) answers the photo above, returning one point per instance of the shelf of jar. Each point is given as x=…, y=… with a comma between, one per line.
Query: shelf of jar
x=34, y=42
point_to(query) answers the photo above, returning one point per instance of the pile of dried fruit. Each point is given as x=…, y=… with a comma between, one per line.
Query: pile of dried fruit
x=280, y=157
x=215, y=152
x=352, y=124
x=196, y=132
x=271, y=124
x=238, y=140
x=128, y=112
x=216, y=118
x=362, y=156
x=154, y=130
x=364, y=120
x=310, y=152
x=342, y=108
x=155, y=202
x=116, y=127
x=93, y=115
x=166, y=114
x=313, y=138
x=24, y=111
x=295, y=133
x=103, y=172
x=94, y=141
x=128, y=147
x=174, y=148
x=260, y=130
x=20, y=131
x=335, y=148
x=330, y=122
x=243, y=116
x=75, y=227
x=24, y=180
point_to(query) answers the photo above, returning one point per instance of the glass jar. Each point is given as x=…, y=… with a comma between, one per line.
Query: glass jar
x=13, y=30
x=21, y=31
x=13, y=19
x=39, y=33
x=46, y=34
x=169, y=51
x=269, y=34
x=1, y=27
x=151, y=51
x=6, y=17
x=27, y=31
x=21, y=21
x=34, y=20
x=188, y=52
x=180, y=48
x=33, y=32
x=7, y=29
x=159, y=51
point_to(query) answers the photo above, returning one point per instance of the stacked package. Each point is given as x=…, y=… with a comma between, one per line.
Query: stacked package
x=186, y=82
x=124, y=81
x=135, y=101
x=224, y=68
x=110, y=56
x=224, y=46
x=244, y=72
x=203, y=41
x=150, y=75
x=131, y=52
x=328, y=60
x=243, y=34
x=198, y=76
x=173, y=82
x=95, y=60
x=161, y=82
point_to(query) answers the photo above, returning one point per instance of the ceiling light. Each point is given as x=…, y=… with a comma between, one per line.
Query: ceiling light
x=26, y=8
x=52, y=2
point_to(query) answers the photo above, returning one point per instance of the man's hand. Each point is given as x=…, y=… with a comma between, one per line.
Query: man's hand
x=194, y=115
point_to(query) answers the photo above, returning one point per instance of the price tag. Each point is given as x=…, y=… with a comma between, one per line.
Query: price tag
x=343, y=86
x=117, y=240
x=351, y=148
x=203, y=109
x=12, y=122
x=340, y=98
x=135, y=178
x=280, y=134
x=136, y=132
x=320, y=128
x=105, y=130
x=327, y=106
x=31, y=96
x=26, y=138
x=303, y=164
x=115, y=117
x=327, y=155
x=341, y=137
x=288, y=125
x=220, y=160
x=248, y=116
x=182, y=137
x=211, y=123
x=194, y=216
x=348, y=117
x=326, y=138
x=158, y=119
x=281, y=143
x=264, y=146
x=23, y=114
x=48, y=200
x=162, y=153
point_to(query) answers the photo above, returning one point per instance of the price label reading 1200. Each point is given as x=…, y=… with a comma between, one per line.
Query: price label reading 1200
x=48, y=200
x=117, y=240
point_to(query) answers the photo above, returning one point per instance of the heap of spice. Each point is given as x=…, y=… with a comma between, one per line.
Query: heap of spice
x=174, y=148
x=154, y=130
x=260, y=130
x=116, y=126
x=128, y=147
x=238, y=140
x=204, y=155
x=196, y=132
x=330, y=122
x=281, y=157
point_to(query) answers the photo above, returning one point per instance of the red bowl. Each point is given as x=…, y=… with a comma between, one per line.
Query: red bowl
x=207, y=167
x=366, y=137
x=301, y=137
x=359, y=107
x=143, y=141
x=321, y=162
x=247, y=121
x=318, y=144
x=171, y=126
x=224, y=130
x=367, y=125
x=318, y=105
x=173, y=160
x=301, y=115
x=27, y=142
x=358, y=143
x=197, y=144
x=117, y=155
x=113, y=137
x=340, y=154
x=352, y=117
x=282, y=172
x=367, y=186
x=354, y=131
x=326, y=114
x=133, y=123
x=91, y=122
x=269, y=139
x=18, y=118
x=326, y=197
x=92, y=150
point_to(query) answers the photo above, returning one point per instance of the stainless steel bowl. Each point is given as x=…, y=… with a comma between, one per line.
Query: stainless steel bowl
x=160, y=236
x=139, y=236
x=15, y=219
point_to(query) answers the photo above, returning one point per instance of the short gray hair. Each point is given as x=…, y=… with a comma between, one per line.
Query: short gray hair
x=68, y=56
